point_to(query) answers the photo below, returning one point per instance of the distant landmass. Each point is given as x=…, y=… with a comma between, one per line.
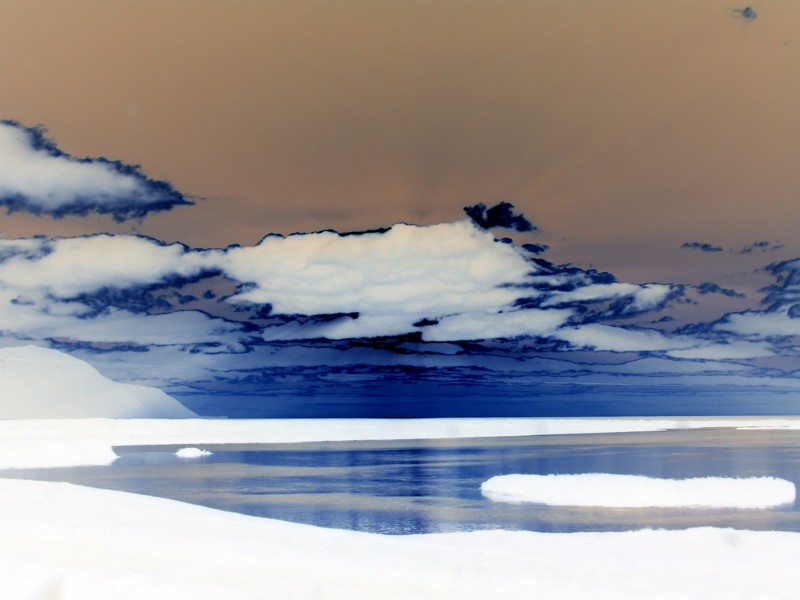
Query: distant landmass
x=40, y=383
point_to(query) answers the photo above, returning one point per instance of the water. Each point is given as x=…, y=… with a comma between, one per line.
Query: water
x=434, y=485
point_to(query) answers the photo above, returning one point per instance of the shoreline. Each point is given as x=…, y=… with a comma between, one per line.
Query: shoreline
x=41, y=443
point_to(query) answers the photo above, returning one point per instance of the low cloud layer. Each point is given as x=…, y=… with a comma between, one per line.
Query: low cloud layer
x=39, y=178
x=446, y=282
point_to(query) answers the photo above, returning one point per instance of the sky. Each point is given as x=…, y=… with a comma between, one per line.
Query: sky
x=150, y=148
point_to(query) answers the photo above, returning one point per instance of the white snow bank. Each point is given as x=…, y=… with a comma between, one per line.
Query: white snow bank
x=630, y=491
x=41, y=383
x=50, y=443
x=74, y=543
x=192, y=453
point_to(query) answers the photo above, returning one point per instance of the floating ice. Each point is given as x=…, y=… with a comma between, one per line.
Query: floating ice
x=192, y=453
x=631, y=491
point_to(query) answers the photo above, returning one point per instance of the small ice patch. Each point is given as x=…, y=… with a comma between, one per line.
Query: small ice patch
x=633, y=491
x=192, y=453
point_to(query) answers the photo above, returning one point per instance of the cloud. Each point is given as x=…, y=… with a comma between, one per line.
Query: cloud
x=535, y=248
x=37, y=177
x=712, y=288
x=69, y=267
x=760, y=325
x=748, y=13
x=786, y=289
x=642, y=340
x=491, y=325
x=702, y=246
x=620, y=339
x=45, y=318
x=407, y=270
x=499, y=216
x=762, y=245
x=631, y=298
x=445, y=282
x=725, y=351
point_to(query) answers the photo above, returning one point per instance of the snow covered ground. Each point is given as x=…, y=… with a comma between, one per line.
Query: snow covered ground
x=38, y=382
x=631, y=491
x=66, y=542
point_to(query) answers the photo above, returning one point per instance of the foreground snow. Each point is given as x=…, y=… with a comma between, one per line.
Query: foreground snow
x=37, y=443
x=42, y=383
x=72, y=543
x=66, y=542
x=629, y=491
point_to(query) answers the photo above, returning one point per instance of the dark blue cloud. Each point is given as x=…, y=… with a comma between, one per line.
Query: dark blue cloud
x=702, y=246
x=786, y=289
x=23, y=301
x=42, y=179
x=748, y=13
x=712, y=288
x=762, y=245
x=535, y=248
x=500, y=216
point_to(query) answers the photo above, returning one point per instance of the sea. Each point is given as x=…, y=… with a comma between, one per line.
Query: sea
x=434, y=485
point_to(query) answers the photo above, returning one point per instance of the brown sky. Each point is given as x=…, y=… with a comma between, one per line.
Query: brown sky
x=622, y=127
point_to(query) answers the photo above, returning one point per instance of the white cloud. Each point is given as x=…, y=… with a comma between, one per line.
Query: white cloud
x=489, y=324
x=619, y=339
x=731, y=351
x=760, y=324
x=49, y=319
x=342, y=328
x=422, y=271
x=67, y=267
x=643, y=297
x=37, y=177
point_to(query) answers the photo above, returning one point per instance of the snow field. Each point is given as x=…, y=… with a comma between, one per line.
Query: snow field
x=73, y=543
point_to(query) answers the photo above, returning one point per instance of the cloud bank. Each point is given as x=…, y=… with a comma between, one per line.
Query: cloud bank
x=445, y=282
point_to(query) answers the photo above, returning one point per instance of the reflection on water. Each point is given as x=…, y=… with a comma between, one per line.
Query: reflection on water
x=434, y=485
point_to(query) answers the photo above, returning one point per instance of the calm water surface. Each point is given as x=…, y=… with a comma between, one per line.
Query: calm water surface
x=434, y=485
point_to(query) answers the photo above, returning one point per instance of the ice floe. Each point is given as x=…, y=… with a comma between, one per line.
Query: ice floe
x=634, y=491
x=192, y=453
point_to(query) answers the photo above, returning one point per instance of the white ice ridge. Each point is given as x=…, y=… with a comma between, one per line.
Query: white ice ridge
x=634, y=491
x=39, y=383
x=33, y=443
x=74, y=543
x=192, y=453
